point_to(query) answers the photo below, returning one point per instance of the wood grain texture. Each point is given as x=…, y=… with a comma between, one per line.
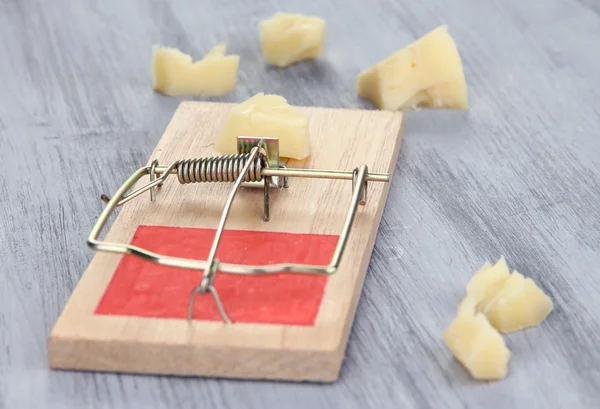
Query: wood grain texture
x=340, y=140
x=519, y=175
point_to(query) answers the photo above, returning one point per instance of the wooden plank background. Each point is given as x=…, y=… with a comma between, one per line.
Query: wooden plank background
x=519, y=175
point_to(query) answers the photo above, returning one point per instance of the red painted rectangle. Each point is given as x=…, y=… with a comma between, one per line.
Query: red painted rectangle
x=144, y=289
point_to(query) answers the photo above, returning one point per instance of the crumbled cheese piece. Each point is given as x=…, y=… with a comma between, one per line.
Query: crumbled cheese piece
x=425, y=74
x=287, y=38
x=174, y=73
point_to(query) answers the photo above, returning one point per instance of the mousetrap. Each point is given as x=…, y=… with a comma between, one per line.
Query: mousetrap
x=238, y=266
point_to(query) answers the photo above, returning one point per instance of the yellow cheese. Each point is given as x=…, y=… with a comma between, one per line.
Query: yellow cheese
x=267, y=116
x=510, y=301
x=287, y=38
x=476, y=344
x=518, y=304
x=497, y=301
x=174, y=73
x=487, y=281
x=425, y=74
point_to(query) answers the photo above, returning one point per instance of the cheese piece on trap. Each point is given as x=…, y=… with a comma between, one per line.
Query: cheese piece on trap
x=267, y=116
x=476, y=344
x=287, y=38
x=427, y=73
x=174, y=73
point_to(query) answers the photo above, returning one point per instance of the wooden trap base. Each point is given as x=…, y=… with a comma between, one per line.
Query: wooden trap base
x=129, y=315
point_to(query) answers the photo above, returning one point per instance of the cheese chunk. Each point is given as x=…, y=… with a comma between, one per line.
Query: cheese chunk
x=174, y=73
x=510, y=302
x=518, y=304
x=487, y=281
x=267, y=116
x=425, y=74
x=476, y=344
x=287, y=38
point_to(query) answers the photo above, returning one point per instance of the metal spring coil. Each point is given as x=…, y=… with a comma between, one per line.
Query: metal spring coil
x=225, y=168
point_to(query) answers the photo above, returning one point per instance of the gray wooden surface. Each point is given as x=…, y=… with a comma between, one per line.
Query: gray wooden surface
x=518, y=175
